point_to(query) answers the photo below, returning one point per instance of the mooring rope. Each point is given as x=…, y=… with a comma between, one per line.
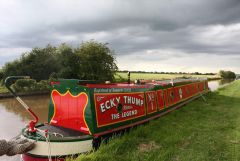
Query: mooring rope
x=15, y=146
x=49, y=148
x=18, y=145
x=46, y=135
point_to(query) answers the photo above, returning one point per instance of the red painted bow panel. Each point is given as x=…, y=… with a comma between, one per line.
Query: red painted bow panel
x=69, y=110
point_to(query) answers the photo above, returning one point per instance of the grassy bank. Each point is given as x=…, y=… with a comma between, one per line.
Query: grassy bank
x=199, y=131
x=151, y=76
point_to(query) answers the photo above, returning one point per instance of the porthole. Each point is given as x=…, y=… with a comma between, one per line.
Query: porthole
x=180, y=93
x=119, y=108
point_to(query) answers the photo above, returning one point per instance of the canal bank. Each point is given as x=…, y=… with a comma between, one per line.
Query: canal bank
x=35, y=93
x=199, y=131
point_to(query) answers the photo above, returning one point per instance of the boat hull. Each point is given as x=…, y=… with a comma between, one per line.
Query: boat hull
x=56, y=142
x=43, y=148
x=27, y=157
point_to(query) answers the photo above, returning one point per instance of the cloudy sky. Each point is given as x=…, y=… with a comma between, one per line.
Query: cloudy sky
x=149, y=35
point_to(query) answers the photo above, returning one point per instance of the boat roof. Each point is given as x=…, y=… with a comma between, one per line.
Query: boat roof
x=143, y=83
x=138, y=84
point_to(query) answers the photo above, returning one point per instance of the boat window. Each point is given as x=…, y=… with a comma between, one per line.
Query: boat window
x=172, y=95
x=187, y=90
x=180, y=93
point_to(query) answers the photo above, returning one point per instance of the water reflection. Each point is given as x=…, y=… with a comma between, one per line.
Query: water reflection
x=225, y=81
x=13, y=117
x=39, y=104
x=215, y=84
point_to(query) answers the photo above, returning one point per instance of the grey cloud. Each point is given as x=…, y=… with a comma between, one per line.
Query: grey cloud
x=130, y=26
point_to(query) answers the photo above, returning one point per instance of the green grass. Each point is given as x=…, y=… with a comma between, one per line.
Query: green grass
x=151, y=76
x=200, y=131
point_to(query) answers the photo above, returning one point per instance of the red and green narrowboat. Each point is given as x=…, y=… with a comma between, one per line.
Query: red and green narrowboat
x=81, y=112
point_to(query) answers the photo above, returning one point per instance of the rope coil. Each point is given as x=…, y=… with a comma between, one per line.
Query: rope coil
x=15, y=146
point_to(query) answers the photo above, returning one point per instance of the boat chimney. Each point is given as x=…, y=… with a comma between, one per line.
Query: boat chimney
x=128, y=77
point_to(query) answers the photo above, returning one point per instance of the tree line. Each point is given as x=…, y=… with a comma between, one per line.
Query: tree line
x=190, y=73
x=91, y=60
x=227, y=74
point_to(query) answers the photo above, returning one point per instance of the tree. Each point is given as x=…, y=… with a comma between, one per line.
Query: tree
x=97, y=61
x=1, y=74
x=227, y=74
x=91, y=60
x=39, y=63
x=69, y=62
x=11, y=68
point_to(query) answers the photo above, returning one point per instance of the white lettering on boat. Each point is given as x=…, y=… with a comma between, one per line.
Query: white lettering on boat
x=124, y=114
x=114, y=102
x=133, y=101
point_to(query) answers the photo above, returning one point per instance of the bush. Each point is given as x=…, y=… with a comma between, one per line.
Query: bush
x=227, y=74
x=1, y=74
x=42, y=85
x=29, y=85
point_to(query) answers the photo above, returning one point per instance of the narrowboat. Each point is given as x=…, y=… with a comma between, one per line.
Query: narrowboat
x=81, y=112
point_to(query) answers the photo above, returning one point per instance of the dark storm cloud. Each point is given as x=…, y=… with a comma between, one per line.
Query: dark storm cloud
x=129, y=26
x=161, y=15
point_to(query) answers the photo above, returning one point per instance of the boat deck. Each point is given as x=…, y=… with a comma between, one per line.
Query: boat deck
x=65, y=132
x=58, y=132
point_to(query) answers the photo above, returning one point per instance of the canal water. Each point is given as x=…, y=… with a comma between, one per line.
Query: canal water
x=215, y=84
x=13, y=117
